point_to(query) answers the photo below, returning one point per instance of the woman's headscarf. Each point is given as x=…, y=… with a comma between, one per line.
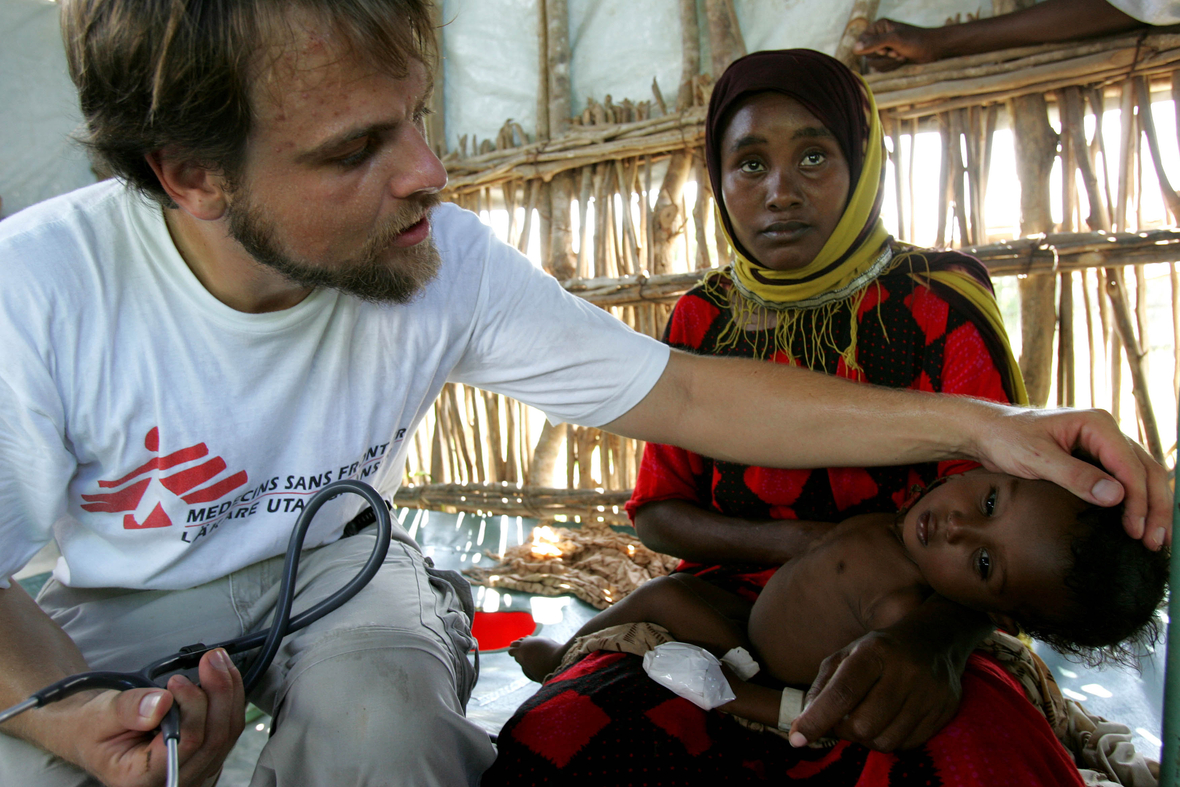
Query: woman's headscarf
x=838, y=98
x=811, y=302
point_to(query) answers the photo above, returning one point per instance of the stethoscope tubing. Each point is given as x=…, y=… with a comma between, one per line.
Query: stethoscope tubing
x=268, y=640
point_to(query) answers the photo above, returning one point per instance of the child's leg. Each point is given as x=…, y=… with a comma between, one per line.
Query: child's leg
x=692, y=610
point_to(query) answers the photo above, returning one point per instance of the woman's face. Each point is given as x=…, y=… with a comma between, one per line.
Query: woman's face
x=784, y=180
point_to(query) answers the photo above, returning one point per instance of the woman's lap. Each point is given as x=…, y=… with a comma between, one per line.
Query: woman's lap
x=605, y=720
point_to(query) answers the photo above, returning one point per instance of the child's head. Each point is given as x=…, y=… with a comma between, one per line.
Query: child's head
x=1032, y=554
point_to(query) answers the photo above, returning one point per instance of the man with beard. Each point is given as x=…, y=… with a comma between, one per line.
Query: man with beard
x=269, y=298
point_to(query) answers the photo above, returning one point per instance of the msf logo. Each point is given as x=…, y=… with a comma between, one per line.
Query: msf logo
x=189, y=479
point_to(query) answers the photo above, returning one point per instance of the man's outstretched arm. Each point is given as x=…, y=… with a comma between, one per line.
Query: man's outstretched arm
x=775, y=415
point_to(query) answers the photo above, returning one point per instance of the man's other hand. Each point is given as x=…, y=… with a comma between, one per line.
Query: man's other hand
x=114, y=738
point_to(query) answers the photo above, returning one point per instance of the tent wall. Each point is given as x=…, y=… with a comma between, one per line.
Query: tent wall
x=38, y=109
x=618, y=47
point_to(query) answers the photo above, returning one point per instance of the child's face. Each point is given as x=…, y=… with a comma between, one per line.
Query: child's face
x=993, y=542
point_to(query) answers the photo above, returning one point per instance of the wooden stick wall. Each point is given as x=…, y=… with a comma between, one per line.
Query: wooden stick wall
x=615, y=203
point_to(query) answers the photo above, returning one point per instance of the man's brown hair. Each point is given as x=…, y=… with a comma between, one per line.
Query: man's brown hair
x=177, y=74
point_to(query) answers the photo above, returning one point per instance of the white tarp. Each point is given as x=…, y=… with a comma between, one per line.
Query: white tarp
x=491, y=61
x=618, y=46
x=38, y=108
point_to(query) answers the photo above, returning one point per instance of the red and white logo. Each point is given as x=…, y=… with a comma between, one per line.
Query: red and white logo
x=190, y=481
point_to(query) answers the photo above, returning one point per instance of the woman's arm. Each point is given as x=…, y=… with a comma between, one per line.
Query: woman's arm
x=896, y=687
x=689, y=532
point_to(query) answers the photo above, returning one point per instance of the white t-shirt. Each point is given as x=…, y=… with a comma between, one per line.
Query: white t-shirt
x=1152, y=12
x=165, y=439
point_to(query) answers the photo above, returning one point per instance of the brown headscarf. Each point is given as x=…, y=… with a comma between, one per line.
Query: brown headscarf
x=824, y=86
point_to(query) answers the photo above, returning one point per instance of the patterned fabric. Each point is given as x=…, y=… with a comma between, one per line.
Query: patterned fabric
x=602, y=720
x=910, y=336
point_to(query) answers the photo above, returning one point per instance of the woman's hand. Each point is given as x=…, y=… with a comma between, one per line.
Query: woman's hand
x=894, y=688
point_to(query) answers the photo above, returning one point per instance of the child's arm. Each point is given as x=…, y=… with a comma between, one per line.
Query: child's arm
x=754, y=702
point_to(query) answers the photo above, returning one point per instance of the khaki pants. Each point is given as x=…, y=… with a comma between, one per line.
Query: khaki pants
x=371, y=694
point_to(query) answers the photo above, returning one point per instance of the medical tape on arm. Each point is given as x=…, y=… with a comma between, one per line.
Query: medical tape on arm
x=741, y=662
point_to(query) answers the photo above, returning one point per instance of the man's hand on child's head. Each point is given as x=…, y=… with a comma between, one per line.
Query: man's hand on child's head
x=1038, y=444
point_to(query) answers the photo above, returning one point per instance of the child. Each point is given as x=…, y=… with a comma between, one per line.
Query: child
x=1027, y=553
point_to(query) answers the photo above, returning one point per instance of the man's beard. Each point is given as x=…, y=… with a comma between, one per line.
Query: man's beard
x=404, y=273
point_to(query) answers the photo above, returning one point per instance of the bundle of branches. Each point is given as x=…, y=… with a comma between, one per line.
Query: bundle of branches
x=595, y=563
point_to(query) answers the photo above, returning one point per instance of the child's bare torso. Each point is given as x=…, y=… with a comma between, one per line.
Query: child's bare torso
x=854, y=579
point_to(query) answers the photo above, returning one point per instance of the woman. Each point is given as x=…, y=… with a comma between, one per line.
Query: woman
x=795, y=154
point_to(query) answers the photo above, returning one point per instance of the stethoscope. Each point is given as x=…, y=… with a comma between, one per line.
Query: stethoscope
x=268, y=640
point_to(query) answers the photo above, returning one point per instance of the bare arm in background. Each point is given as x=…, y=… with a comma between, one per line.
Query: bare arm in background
x=889, y=44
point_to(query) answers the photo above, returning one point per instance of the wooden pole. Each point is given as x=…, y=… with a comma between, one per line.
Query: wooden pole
x=725, y=37
x=959, y=170
x=1098, y=105
x=542, y=72
x=1116, y=289
x=1175, y=80
x=700, y=212
x=975, y=179
x=690, y=53
x=626, y=175
x=1143, y=99
x=1090, y=338
x=436, y=122
x=1073, y=126
x=1036, y=148
x=1126, y=153
x=913, y=134
x=1066, y=383
x=1069, y=166
x=667, y=219
x=862, y=15
x=944, y=178
x=584, y=254
x=894, y=126
x=561, y=260
x=1174, y=277
x=1141, y=320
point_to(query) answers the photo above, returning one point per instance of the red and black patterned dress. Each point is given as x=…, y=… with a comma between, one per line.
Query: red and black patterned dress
x=604, y=721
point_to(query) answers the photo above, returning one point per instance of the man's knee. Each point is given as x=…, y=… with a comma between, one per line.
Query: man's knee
x=376, y=711
x=24, y=765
